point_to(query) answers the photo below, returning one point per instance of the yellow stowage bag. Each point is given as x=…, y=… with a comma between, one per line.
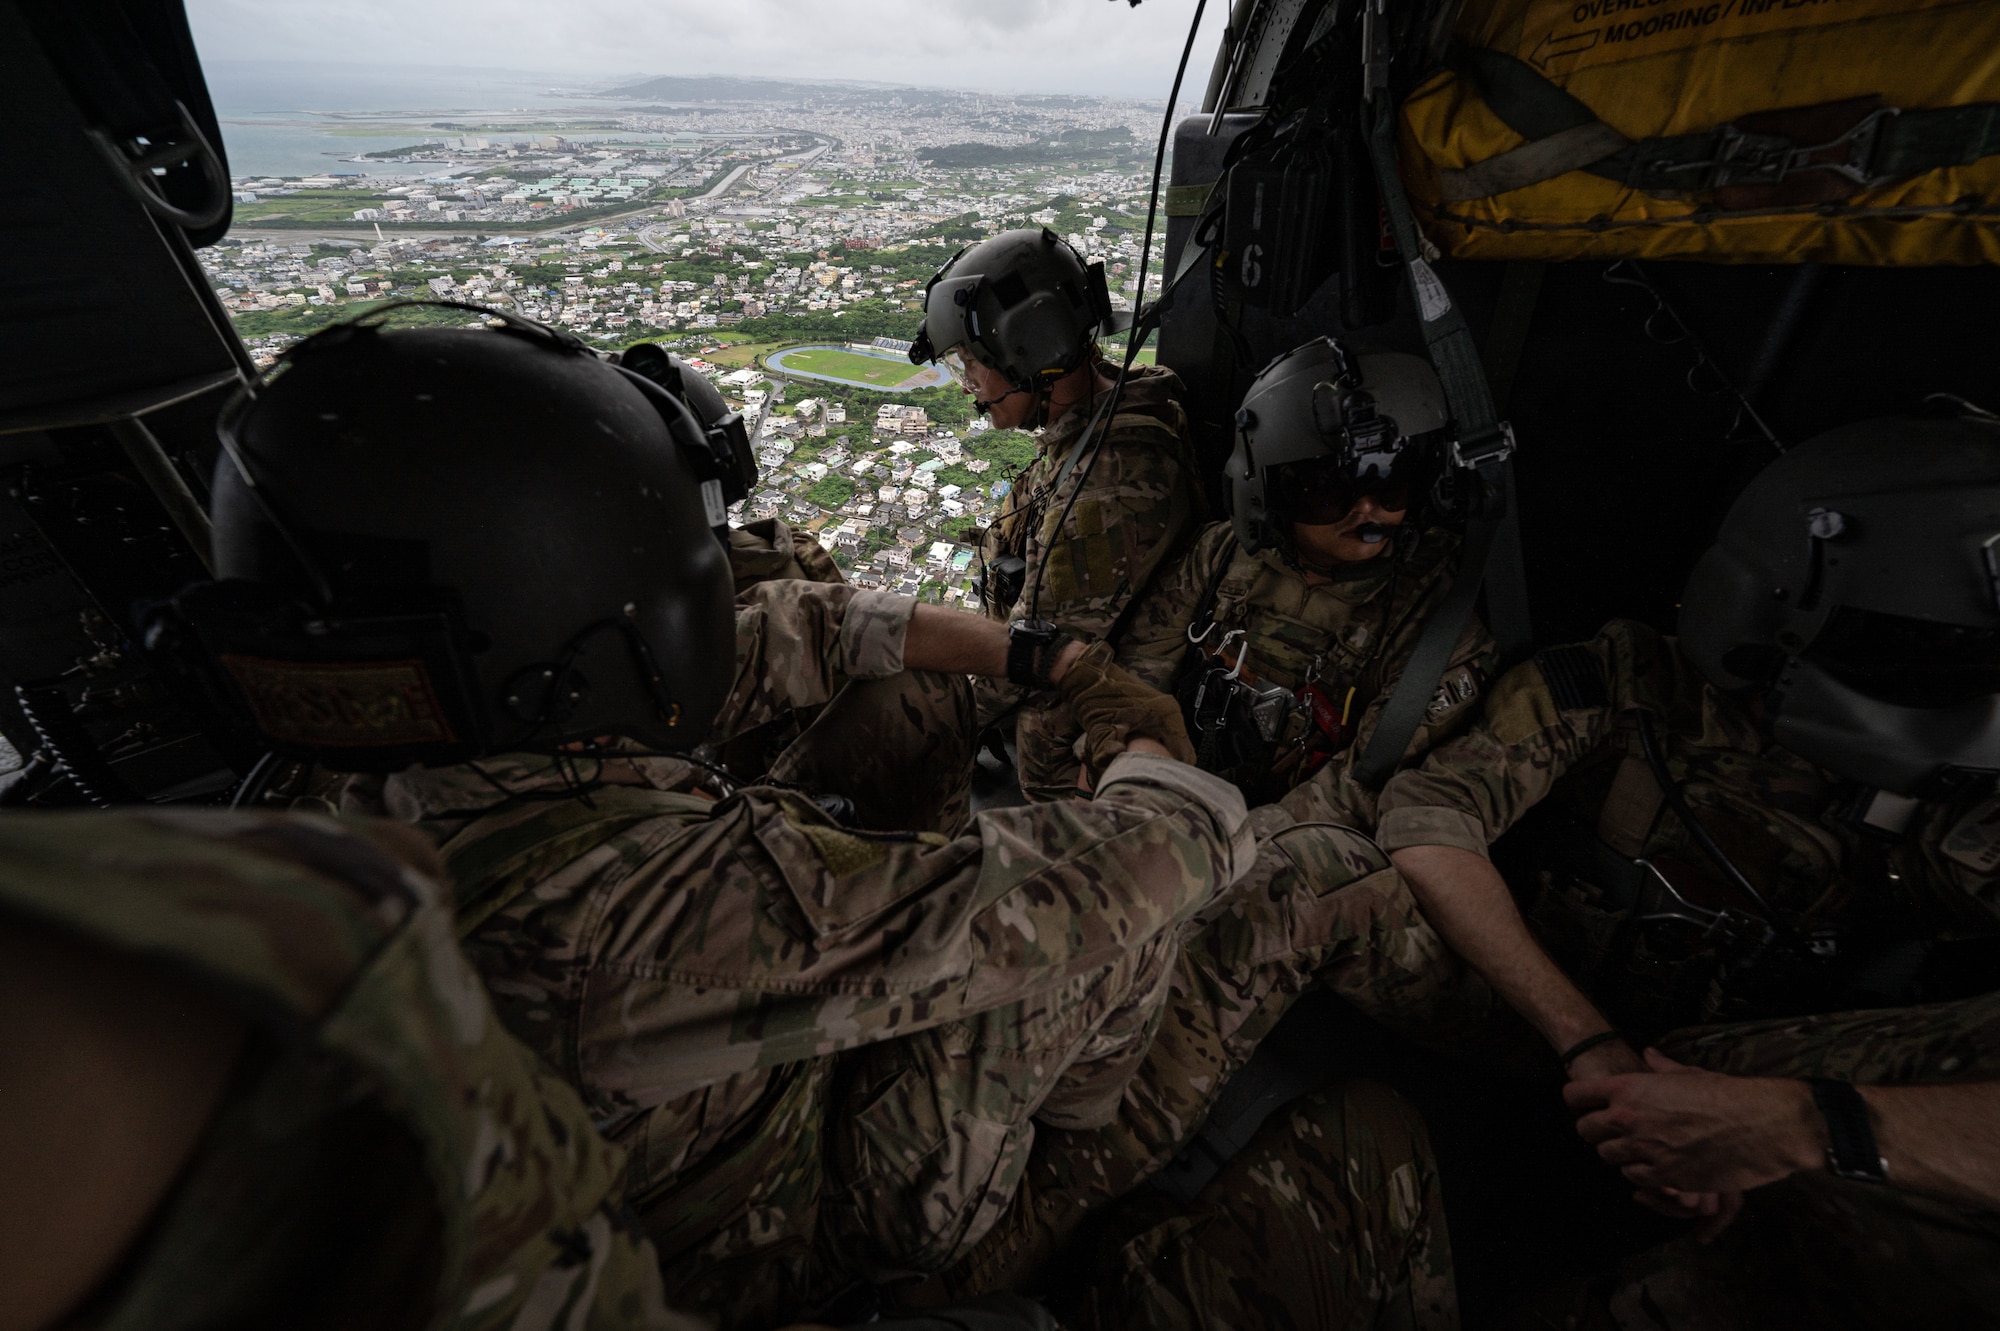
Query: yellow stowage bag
x=1656, y=68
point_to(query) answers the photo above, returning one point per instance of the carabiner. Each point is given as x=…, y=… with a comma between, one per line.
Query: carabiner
x=1242, y=654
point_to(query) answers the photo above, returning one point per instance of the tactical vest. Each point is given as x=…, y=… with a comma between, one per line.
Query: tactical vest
x=1630, y=901
x=387, y=1145
x=1298, y=665
x=1029, y=517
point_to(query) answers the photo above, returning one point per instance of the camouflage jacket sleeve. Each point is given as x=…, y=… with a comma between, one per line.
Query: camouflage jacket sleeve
x=768, y=550
x=1540, y=719
x=1333, y=795
x=477, y=1191
x=773, y=934
x=797, y=642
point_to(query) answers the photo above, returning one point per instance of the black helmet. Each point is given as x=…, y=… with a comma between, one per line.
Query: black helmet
x=1320, y=427
x=435, y=543
x=1024, y=303
x=683, y=380
x=1856, y=578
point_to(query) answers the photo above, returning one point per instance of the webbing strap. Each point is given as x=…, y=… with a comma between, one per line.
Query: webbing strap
x=1493, y=534
x=1259, y=1089
x=1565, y=135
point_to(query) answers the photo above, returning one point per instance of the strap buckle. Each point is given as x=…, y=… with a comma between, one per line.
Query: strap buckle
x=1741, y=158
x=1489, y=446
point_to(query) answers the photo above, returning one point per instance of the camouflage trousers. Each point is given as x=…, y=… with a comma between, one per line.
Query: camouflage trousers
x=1820, y=1251
x=893, y=1160
x=900, y=749
x=1320, y=906
x=1329, y=1217
x=928, y=1135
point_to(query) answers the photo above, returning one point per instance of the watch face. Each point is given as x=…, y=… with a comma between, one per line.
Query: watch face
x=1035, y=629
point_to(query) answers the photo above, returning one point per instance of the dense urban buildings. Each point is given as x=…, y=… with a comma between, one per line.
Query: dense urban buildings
x=782, y=247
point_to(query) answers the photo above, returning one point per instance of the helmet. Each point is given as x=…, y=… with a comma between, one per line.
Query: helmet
x=1856, y=578
x=1321, y=427
x=434, y=543
x=1024, y=303
x=727, y=435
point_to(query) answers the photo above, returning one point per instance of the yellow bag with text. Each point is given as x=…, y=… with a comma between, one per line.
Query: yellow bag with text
x=1744, y=131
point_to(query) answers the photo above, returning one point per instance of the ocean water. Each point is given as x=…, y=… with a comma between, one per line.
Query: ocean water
x=276, y=116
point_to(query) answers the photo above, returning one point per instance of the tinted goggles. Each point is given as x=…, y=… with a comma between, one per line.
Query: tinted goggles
x=1325, y=490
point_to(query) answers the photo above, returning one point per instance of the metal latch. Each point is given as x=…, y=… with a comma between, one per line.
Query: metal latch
x=1765, y=159
x=1489, y=446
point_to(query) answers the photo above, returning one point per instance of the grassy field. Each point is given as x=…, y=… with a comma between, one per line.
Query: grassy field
x=740, y=354
x=870, y=371
x=1115, y=352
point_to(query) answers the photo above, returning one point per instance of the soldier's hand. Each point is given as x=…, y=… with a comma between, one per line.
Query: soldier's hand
x=1113, y=708
x=1607, y=1060
x=1677, y=1131
x=1712, y=1211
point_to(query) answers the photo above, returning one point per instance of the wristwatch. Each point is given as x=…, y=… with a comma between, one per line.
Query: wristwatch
x=1032, y=645
x=1853, y=1153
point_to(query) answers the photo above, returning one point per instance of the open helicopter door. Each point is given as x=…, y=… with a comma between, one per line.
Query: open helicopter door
x=113, y=358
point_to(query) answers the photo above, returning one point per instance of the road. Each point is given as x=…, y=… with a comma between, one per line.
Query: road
x=723, y=185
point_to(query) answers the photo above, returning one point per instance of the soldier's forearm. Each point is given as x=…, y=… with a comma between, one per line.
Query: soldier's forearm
x=1940, y=1140
x=1467, y=902
x=958, y=643
x=955, y=642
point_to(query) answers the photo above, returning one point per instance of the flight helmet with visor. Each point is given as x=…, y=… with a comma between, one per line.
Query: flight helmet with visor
x=1857, y=581
x=1320, y=427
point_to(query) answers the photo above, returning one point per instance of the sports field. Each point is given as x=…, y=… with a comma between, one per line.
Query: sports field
x=885, y=370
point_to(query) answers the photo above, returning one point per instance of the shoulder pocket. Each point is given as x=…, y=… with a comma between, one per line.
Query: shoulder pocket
x=836, y=877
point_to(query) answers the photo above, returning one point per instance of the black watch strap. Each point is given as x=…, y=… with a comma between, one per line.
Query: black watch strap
x=1853, y=1153
x=1022, y=640
x=1032, y=647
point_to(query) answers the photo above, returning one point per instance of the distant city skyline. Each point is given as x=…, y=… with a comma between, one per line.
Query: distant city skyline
x=1088, y=47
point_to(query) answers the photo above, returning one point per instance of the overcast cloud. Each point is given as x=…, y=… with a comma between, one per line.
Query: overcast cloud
x=1079, y=46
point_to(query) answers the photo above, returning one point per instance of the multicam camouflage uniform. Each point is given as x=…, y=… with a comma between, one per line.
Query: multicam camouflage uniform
x=770, y=551
x=691, y=965
x=1138, y=505
x=1816, y=1250
x=1352, y=638
x=1320, y=905
x=921, y=783
x=386, y=1155
x=1330, y=1216
x=1565, y=729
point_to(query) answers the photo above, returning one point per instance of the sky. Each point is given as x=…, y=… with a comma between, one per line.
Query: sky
x=1101, y=47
